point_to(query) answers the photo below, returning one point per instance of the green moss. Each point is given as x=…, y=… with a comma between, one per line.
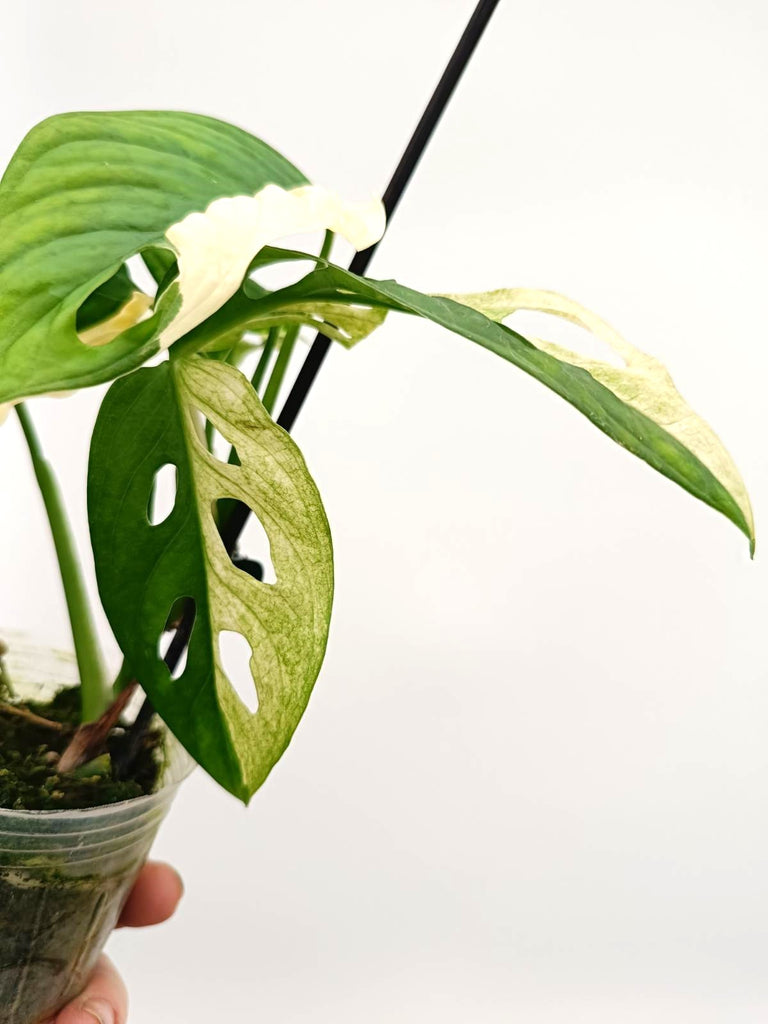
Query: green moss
x=29, y=752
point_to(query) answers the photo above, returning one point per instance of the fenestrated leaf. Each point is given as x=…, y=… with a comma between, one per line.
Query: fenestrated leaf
x=347, y=325
x=149, y=419
x=343, y=322
x=346, y=318
x=640, y=409
x=85, y=192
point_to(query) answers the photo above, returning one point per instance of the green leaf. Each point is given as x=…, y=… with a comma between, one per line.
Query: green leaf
x=85, y=192
x=152, y=418
x=637, y=406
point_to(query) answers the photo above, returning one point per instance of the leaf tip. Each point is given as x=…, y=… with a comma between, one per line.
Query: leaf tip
x=244, y=794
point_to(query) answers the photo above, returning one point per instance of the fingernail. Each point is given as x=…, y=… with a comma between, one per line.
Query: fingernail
x=100, y=1010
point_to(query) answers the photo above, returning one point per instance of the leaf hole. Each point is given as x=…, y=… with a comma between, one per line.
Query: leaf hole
x=218, y=445
x=140, y=275
x=114, y=306
x=180, y=607
x=162, y=497
x=250, y=566
x=182, y=614
x=235, y=654
x=254, y=542
x=274, y=276
x=178, y=669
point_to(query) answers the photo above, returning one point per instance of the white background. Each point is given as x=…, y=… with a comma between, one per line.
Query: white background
x=532, y=783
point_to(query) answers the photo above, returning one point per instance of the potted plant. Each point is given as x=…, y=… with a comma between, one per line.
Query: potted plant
x=196, y=365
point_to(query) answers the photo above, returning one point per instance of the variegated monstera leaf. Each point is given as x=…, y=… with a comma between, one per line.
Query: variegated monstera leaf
x=86, y=192
x=152, y=419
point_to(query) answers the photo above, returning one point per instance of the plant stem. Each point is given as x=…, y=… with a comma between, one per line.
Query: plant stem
x=325, y=250
x=94, y=688
x=266, y=355
x=286, y=349
x=281, y=365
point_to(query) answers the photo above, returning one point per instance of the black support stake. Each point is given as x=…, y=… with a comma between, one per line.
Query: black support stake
x=392, y=196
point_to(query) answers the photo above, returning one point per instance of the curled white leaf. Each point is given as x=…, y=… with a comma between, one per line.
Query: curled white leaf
x=642, y=382
x=214, y=248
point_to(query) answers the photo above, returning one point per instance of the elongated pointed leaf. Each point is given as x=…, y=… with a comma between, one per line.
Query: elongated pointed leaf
x=642, y=382
x=149, y=419
x=639, y=408
x=83, y=193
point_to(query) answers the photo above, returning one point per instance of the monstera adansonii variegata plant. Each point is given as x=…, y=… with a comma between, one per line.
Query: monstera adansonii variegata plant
x=205, y=205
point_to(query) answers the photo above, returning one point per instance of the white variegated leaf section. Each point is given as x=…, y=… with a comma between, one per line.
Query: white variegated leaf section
x=215, y=247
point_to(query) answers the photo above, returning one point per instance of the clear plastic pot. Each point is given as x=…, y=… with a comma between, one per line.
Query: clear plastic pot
x=65, y=875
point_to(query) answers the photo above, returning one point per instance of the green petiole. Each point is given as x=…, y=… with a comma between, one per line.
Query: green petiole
x=281, y=365
x=95, y=693
x=286, y=349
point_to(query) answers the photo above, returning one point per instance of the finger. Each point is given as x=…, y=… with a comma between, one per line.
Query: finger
x=105, y=1000
x=153, y=898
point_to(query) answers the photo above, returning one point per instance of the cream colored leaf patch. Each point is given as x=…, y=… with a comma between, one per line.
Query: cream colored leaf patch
x=642, y=382
x=214, y=248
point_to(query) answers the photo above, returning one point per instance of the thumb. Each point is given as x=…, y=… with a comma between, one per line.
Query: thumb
x=104, y=1001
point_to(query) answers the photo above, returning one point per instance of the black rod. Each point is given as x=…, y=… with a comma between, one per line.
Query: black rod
x=409, y=161
x=317, y=353
x=392, y=196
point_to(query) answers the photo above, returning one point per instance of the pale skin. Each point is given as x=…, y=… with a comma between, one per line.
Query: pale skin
x=153, y=899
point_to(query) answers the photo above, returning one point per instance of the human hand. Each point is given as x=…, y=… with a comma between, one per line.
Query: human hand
x=153, y=899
